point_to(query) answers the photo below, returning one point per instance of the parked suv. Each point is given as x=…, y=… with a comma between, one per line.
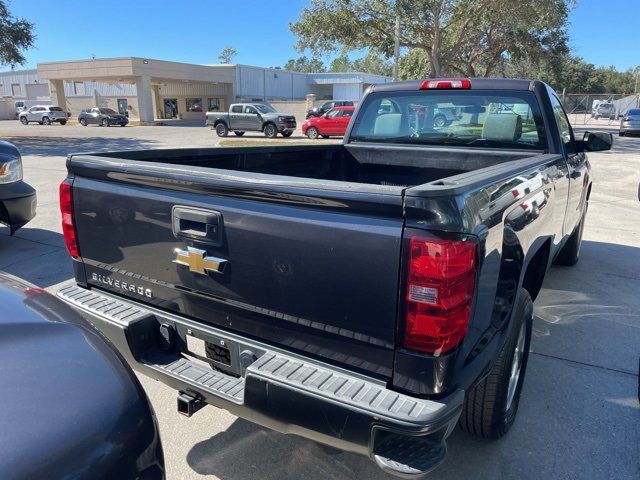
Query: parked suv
x=44, y=115
x=102, y=116
x=604, y=109
x=326, y=106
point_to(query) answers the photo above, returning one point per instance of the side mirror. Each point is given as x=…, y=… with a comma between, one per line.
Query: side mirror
x=597, y=141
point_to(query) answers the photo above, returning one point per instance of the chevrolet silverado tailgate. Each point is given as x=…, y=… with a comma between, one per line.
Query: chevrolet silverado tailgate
x=308, y=265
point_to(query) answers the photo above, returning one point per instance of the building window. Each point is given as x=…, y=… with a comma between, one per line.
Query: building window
x=194, y=104
x=78, y=88
x=214, y=104
x=16, y=91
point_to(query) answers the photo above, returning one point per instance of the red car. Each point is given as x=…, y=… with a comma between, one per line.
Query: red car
x=332, y=123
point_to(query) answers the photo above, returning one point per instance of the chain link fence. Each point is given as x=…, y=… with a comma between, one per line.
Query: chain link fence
x=581, y=107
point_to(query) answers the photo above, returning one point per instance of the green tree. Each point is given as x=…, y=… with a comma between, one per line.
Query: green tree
x=457, y=37
x=341, y=63
x=227, y=55
x=373, y=62
x=16, y=35
x=415, y=64
x=305, y=64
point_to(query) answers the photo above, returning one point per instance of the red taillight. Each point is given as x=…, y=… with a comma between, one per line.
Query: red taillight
x=68, y=227
x=439, y=293
x=515, y=193
x=449, y=84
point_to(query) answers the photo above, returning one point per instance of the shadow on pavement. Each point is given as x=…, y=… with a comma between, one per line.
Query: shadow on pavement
x=578, y=387
x=36, y=255
x=62, y=146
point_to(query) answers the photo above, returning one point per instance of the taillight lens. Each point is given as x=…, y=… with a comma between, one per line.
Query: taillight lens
x=66, y=208
x=439, y=293
x=447, y=84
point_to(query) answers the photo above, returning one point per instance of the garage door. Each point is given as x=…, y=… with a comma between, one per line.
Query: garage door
x=38, y=91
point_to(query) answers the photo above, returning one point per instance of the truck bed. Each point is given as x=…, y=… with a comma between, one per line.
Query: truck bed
x=373, y=165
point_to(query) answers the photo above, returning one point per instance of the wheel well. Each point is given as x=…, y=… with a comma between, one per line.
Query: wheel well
x=536, y=270
x=268, y=122
x=218, y=122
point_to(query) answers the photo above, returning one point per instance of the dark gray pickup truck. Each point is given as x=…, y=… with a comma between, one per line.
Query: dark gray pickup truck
x=370, y=295
x=252, y=117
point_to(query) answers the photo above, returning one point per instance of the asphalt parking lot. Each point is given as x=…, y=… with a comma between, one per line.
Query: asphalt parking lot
x=579, y=414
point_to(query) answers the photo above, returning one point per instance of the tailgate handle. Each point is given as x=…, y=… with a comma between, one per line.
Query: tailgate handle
x=197, y=224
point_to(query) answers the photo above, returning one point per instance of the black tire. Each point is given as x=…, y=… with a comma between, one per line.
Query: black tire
x=24, y=120
x=270, y=130
x=312, y=133
x=123, y=124
x=238, y=134
x=621, y=134
x=46, y=121
x=222, y=130
x=104, y=122
x=488, y=412
x=570, y=253
x=596, y=117
x=83, y=122
x=287, y=134
x=439, y=121
x=63, y=122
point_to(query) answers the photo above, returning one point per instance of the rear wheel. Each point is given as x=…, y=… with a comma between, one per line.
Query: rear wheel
x=439, y=121
x=490, y=408
x=46, y=121
x=63, y=122
x=222, y=130
x=287, y=134
x=312, y=133
x=270, y=130
x=621, y=133
x=238, y=133
x=105, y=122
x=83, y=122
x=24, y=120
x=570, y=253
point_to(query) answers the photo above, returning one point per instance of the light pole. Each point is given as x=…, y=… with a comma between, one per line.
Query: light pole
x=396, y=47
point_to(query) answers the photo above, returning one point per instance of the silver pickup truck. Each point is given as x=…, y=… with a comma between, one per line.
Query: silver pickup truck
x=252, y=117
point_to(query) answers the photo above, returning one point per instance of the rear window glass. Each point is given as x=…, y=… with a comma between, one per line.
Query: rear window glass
x=482, y=118
x=634, y=111
x=55, y=109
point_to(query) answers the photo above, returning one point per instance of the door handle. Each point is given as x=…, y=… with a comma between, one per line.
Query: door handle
x=190, y=223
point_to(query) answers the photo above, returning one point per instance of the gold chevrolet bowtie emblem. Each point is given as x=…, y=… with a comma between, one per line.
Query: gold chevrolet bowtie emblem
x=198, y=262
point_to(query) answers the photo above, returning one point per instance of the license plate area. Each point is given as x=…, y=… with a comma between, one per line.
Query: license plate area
x=212, y=349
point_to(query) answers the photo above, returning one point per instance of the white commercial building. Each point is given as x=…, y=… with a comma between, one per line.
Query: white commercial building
x=150, y=89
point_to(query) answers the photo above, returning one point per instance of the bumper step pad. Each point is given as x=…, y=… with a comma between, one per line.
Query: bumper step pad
x=212, y=381
x=409, y=456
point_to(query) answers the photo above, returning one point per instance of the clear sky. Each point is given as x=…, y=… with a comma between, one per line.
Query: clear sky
x=194, y=31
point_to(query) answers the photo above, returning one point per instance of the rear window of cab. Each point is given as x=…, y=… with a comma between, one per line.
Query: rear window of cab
x=472, y=118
